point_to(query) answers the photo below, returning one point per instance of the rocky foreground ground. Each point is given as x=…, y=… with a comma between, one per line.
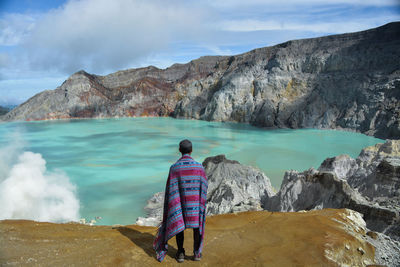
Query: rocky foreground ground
x=327, y=237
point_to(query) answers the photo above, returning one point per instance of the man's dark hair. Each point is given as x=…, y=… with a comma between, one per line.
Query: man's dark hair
x=185, y=147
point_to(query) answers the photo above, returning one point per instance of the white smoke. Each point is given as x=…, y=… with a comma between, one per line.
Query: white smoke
x=29, y=191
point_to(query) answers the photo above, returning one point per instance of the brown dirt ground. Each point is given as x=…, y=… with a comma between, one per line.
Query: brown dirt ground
x=245, y=239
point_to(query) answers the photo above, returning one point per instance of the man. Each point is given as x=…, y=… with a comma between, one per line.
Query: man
x=184, y=205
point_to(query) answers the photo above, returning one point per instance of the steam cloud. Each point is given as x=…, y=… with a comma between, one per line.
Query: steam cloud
x=29, y=191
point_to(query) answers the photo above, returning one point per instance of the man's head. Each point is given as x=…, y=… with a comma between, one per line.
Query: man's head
x=185, y=147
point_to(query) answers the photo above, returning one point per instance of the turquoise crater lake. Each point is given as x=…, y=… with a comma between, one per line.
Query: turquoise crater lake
x=117, y=164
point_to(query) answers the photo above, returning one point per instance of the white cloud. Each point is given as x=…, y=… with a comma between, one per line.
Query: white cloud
x=247, y=25
x=14, y=28
x=100, y=35
x=219, y=51
x=4, y=60
x=291, y=3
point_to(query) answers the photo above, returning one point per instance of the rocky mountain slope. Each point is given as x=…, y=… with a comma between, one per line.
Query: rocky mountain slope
x=347, y=81
x=316, y=238
x=369, y=184
x=3, y=110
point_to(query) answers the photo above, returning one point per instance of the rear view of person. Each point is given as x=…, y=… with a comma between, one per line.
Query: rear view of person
x=184, y=205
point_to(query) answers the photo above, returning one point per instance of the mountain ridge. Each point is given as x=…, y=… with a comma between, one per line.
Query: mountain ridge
x=347, y=81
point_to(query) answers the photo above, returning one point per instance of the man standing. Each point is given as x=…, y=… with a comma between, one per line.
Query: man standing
x=184, y=205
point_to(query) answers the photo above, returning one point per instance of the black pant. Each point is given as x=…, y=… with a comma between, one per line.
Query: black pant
x=196, y=240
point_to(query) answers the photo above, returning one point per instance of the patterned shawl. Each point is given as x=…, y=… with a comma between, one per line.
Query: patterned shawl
x=184, y=203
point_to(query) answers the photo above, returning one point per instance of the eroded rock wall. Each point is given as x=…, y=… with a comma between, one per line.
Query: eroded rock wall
x=369, y=184
x=347, y=81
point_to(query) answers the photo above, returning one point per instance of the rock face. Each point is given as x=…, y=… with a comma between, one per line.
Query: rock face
x=232, y=187
x=154, y=211
x=369, y=184
x=347, y=81
x=387, y=250
x=378, y=174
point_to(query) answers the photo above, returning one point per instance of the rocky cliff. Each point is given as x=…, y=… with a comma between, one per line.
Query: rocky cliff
x=369, y=184
x=347, y=81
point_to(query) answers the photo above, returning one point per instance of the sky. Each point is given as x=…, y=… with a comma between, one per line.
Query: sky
x=42, y=43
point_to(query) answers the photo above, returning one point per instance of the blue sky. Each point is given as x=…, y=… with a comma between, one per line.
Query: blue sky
x=43, y=42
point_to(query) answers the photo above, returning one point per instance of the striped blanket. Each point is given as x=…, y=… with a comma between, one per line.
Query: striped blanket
x=184, y=203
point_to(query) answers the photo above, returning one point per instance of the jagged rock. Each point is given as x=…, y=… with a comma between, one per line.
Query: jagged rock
x=343, y=166
x=379, y=172
x=154, y=211
x=370, y=185
x=347, y=81
x=387, y=250
x=232, y=187
x=375, y=173
x=312, y=189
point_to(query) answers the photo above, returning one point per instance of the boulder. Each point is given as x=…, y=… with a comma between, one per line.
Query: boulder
x=232, y=187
